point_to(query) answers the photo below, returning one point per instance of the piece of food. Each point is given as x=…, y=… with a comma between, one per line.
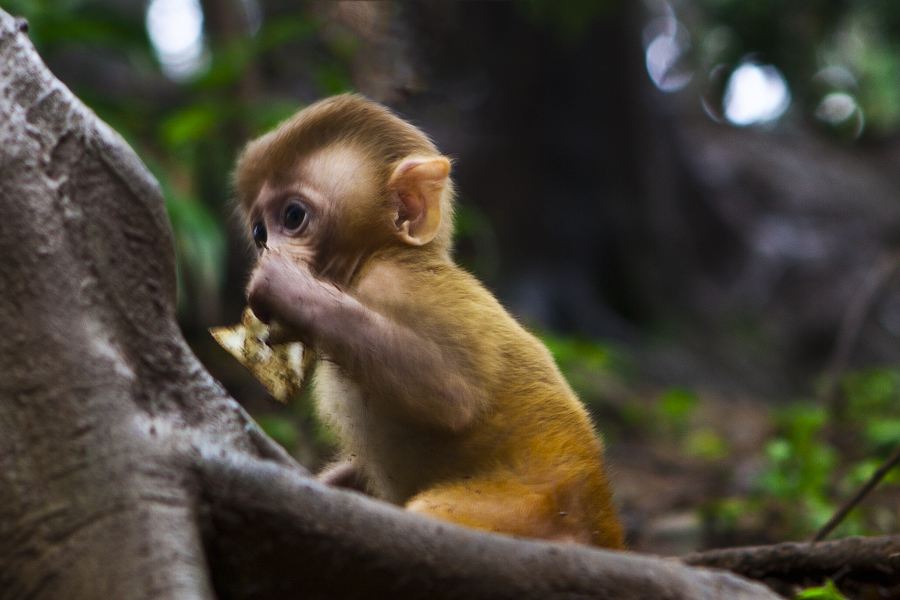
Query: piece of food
x=280, y=368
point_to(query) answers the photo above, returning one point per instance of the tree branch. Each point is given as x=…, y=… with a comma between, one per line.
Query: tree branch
x=268, y=531
x=875, y=559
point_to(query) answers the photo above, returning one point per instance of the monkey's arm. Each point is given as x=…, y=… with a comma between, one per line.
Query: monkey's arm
x=384, y=356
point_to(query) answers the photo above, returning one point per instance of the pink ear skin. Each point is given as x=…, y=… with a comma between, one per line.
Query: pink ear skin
x=418, y=183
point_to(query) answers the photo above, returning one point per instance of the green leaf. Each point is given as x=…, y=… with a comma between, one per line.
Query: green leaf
x=884, y=432
x=778, y=450
x=826, y=592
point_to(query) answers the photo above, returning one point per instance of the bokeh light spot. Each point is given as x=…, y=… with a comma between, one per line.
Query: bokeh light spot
x=175, y=28
x=755, y=94
x=839, y=109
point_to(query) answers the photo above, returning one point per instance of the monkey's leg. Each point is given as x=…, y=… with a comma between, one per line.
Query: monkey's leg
x=502, y=507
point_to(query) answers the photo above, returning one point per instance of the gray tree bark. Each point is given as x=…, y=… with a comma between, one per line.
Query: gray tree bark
x=126, y=471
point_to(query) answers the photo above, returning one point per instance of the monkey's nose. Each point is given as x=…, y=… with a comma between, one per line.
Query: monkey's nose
x=259, y=235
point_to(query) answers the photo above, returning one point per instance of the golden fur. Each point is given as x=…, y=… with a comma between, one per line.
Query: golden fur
x=442, y=402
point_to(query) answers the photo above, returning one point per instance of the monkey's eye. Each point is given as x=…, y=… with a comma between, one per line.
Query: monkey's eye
x=294, y=217
x=259, y=234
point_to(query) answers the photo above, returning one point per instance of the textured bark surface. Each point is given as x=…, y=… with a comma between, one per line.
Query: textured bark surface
x=127, y=472
x=102, y=405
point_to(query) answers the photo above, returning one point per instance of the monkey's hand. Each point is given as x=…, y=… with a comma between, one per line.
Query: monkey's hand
x=287, y=296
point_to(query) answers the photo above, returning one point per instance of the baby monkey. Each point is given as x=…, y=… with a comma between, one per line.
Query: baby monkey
x=441, y=401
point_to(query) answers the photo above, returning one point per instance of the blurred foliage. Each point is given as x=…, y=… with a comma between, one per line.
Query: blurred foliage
x=64, y=23
x=675, y=409
x=676, y=415
x=821, y=47
x=800, y=464
x=707, y=444
x=873, y=401
x=819, y=458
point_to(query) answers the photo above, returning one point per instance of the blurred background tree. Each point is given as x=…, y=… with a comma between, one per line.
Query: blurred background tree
x=694, y=200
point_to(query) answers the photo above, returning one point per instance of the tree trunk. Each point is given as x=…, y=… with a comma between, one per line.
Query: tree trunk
x=125, y=469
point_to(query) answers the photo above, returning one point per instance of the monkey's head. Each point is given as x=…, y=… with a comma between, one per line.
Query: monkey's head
x=342, y=179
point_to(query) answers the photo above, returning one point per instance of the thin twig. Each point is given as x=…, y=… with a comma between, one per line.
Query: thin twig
x=892, y=461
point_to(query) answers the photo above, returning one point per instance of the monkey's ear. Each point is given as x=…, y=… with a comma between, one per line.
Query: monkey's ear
x=418, y=183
